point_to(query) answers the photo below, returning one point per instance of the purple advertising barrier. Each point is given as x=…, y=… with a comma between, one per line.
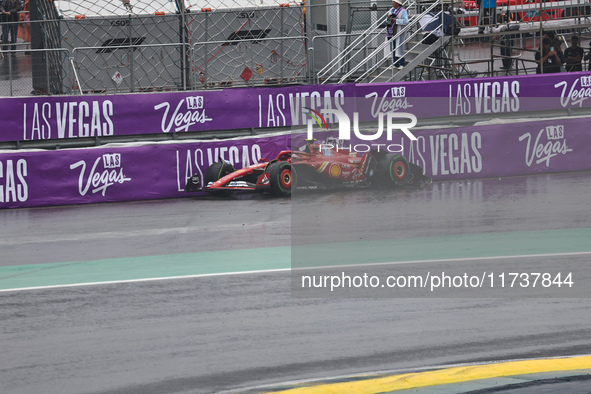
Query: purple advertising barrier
x=493, y=150
x=287, y=106
x=476, y=96
x=130, y=173
x=42, y=118
x=501, y=150
x=94, y=175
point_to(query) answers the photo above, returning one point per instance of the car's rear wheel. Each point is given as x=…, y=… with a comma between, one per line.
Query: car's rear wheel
x=281, y=179
x=395, y=170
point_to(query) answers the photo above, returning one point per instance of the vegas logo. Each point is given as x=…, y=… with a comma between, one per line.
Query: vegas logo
x=100, y=179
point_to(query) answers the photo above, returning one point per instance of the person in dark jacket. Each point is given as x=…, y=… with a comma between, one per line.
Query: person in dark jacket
x=9, y=10
x=507, y=19
x=573, y=55
x=549, y=60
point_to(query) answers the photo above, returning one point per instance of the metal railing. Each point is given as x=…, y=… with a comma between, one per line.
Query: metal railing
x=187, y=57
x=413, y=28
x=15, y=63
x=311, y=57
x=340, y=61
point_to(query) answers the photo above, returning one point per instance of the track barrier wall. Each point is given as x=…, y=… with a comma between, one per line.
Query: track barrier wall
x=141, y=171
x=48, y=118
x=121, y=173
x=156, y=171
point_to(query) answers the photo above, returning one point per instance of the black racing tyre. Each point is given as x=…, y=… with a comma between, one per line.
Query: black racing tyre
x=395, y=170
x=217, y=171
x=281, y=179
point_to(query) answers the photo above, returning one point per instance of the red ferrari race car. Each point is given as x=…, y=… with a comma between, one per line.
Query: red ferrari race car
x=221, y=178
x=316, y=166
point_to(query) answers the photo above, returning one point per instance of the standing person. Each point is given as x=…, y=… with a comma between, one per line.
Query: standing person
x=550, y=59
x=397, y=16
x=10, y=10
x=556, y=43
x=573, y=55
x=487, y=14
x=507, y=40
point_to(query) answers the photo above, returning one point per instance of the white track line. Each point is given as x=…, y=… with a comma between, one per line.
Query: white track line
x=146, y=280
x=296, y=269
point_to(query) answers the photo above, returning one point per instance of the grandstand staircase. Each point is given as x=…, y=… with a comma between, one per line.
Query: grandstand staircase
x=355, y=64
x=420, y=56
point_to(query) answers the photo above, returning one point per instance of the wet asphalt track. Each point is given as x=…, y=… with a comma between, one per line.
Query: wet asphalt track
x=217, y=333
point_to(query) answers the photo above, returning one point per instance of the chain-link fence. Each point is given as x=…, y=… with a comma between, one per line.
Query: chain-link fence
x=164, y=51
x=17, y=67
x=125, y=54
x=264, y=46
x=32, y=61
x=120, y=46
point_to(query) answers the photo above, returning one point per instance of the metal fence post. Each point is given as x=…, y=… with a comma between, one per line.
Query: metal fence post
x=281, y=43
x=131, y=53
x=184, y=50
x=453, y=38
x=205, y=49
x=47, y=71
x=311, y=77
x=10, y=72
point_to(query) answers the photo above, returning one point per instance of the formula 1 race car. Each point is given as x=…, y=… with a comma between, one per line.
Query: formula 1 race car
x=317, y=166
x=328, y=166
x=274, y=177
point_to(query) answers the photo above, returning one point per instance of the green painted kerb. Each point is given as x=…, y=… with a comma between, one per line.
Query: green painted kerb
x=413, y=249
x=466, y=246
x=120, y=269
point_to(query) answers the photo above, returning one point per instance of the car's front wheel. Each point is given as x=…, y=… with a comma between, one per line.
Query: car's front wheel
x=217, y=171
x=281, y=178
